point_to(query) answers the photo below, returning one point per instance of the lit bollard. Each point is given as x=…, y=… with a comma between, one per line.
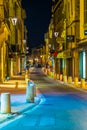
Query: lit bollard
x=55, y=76
x=30, y=92
x=65, y=78
x=76, y=81
x=61, y=77
x=27, y=72
x=16, y=85
x=34, y=90
x=51, y=74
x=69, y=79
x=5, y=103
x=27, y=80
x=83, y=83
x=46, y=71
x=58, y=76
x=26, y=76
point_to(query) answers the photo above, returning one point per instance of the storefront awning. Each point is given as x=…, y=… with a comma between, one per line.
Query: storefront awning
x=64, y=54
x=60, y=55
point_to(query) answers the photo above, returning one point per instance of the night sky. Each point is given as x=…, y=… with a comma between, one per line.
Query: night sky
x=38, y=17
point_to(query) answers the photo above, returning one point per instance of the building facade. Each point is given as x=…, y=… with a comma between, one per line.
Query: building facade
x=70, y=25
x=69, y=32
x=11, y=37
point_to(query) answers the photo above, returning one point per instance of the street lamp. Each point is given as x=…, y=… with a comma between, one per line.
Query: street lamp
x=5, y=29
x=56, y=34
x=14, y=23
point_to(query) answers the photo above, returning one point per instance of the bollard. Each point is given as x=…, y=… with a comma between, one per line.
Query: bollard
x=30, y=92
x=69, y=79
x=26, y=72
x=27, y=80
x=34, y=90
x=61, y=77
x=26, y=76
x=83, y=83
x=52, y=74
x=58, y=76
x=76, y=81
x=46, y=71
x=5, y=103
x=55, y=75
x=65, y=78
x=49, y=73
x=16, y=85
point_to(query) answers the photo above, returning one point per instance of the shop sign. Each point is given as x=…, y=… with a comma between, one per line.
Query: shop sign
x=65, y=54
x=60, y=55
x=55, y=53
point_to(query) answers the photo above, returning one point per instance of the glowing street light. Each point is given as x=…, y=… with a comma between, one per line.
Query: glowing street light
x=56, y=34
x=14, y=21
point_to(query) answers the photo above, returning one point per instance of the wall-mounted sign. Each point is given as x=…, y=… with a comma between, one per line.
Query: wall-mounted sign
x=55, y=54
x=60, y=55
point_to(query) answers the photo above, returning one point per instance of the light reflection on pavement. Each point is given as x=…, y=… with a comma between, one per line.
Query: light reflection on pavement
x=61, y=108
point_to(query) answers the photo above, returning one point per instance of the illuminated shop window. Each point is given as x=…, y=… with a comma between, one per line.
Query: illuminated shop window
x=84, y=64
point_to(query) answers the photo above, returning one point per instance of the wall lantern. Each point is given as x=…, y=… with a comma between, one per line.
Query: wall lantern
x=27, y=48
x=14, y=21
x=56, y=34
x=24, y=41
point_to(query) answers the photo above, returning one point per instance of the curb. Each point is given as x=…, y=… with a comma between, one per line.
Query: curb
x=70, y=85
x=73, y=86
x=8, y=117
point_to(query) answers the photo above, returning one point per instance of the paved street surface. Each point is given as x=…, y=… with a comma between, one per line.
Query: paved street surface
x=61, y=108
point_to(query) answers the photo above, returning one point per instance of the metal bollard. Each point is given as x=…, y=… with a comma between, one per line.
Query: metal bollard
x=58, y=76
x=27, y=80
x=30, y=92
x=83, y=83
x=69, y=79
x=76, y=81
x=65, y=78
x=26, y=76
x=5, y=103
x=61, y=77
x=16, y=85
x=34, y=90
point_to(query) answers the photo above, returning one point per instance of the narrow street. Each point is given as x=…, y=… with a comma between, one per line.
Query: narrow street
x=61, y=107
